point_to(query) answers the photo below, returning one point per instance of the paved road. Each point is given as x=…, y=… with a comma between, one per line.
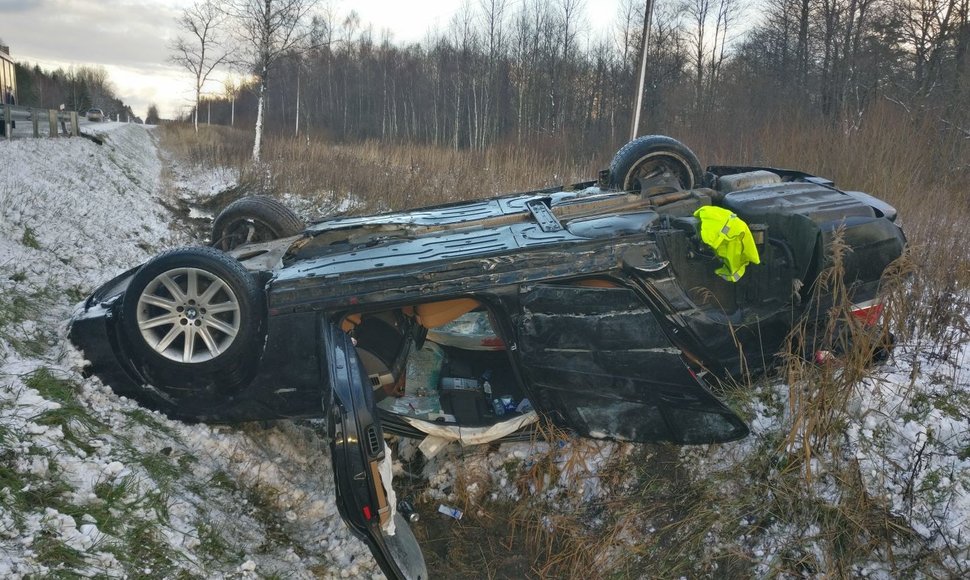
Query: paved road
x=21, y=116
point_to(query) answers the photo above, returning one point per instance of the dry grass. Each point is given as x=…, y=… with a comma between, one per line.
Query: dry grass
x=909, y=160
x=570, y=536
x=820, y=389
x=797, y=496
x=381, y=177
x=801, y=493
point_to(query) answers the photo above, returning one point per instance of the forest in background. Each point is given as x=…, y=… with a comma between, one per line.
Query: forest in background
x=507, y=72
x=77, y=88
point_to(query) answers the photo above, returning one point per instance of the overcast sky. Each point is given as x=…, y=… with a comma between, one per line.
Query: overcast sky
x=130, y=38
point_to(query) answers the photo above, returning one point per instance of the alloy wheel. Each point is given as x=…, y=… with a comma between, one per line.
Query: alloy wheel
x=188, y=315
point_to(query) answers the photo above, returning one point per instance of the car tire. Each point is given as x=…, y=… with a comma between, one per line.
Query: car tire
x=194, y=321
x=255, y=218
x=654, y=154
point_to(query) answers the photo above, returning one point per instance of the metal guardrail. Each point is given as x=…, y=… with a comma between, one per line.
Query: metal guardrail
x=17, y=121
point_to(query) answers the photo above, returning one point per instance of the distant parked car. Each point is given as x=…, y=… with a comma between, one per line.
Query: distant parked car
x=95, y=115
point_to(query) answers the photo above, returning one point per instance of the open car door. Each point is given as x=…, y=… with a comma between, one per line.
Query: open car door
x=362, y=463
x=597, y=360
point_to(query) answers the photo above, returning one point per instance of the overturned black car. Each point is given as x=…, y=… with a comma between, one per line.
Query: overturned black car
x=605, y=306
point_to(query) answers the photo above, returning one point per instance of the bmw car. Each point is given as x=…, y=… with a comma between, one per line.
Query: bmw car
x=614, y=307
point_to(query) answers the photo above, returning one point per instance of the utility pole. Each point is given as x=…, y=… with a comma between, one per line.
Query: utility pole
x=635, y=126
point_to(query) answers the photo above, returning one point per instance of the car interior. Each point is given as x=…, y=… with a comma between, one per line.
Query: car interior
x=442, y=362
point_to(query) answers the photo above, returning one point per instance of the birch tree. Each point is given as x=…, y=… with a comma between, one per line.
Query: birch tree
x=203, y=48
x=269, y=30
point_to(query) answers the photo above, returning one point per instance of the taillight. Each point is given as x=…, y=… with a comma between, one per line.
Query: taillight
x=867, y=312
x=367, y=514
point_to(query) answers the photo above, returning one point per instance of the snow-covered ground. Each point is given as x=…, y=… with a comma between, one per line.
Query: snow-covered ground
x=91, y=483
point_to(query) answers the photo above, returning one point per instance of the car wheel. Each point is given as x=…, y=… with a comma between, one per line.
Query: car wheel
x=193, y=318
x=654, y=157
x=255, y=218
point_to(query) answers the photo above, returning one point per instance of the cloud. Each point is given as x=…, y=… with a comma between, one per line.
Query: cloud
x=93, y=32
x=10, y=6
x=129, y=38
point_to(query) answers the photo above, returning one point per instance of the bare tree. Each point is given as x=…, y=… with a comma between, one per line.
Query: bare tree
x=493, y=20
x=697, y=13
x=710, y=22
x=232, y=90
x=269, y=30
x=204, y=49
x=98, y=83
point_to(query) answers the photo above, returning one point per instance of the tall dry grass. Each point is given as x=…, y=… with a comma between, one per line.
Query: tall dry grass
x=920, y=167
x=913, y=161
x=380, y=177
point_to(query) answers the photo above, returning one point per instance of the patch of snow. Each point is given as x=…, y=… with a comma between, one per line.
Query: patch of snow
x=63, y=232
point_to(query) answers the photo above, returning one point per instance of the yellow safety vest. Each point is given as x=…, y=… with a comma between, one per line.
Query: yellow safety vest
x=730, y=239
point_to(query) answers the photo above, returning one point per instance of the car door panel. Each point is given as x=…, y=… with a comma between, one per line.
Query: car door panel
x=599, y=361
x=357, y=450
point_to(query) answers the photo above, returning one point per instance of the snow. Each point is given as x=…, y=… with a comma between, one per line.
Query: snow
x=72, y=215
x=920, y=463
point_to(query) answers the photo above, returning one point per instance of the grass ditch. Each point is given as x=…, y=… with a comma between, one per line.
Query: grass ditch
x=33, y=482
x=138, y=544
x=64, y=559
x=144, y=553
